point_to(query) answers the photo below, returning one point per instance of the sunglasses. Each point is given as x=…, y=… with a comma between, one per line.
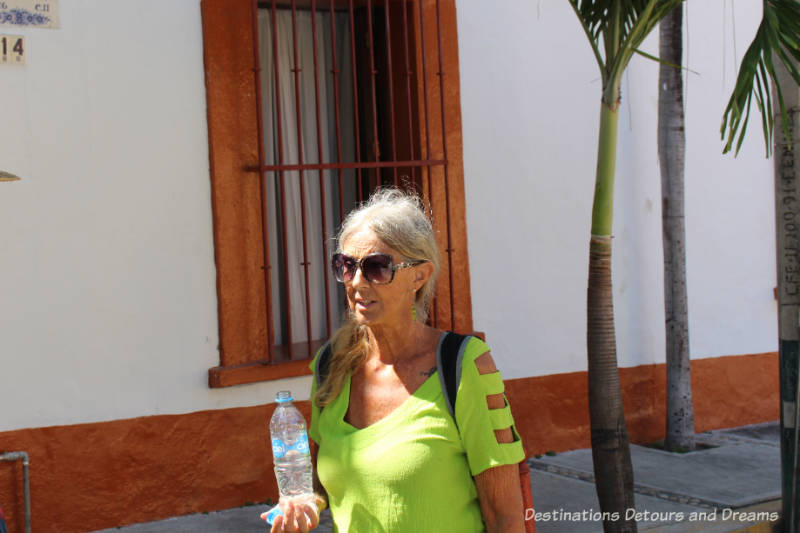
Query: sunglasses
x=376, y=268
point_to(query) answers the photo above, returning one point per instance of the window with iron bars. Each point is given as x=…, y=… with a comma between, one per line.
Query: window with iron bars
x=339, y=97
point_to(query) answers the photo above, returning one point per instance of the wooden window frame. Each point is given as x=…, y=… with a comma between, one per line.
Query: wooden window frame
x=228, y=43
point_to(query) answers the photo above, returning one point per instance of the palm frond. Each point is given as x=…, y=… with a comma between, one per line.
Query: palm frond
x=646, y=19
x=616, y=28
x=778, y=35
x=659, y=60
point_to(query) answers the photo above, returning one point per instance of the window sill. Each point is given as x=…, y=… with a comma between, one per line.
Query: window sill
x=280, y=367
x=228, y=376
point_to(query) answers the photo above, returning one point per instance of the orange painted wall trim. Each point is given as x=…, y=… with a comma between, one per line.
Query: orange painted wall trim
x=93, y=476
x=235, y=191
x=86, y=477
x=552, y=412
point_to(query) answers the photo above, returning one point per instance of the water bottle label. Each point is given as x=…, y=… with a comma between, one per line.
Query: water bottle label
x=301, y=445
x=279, y=449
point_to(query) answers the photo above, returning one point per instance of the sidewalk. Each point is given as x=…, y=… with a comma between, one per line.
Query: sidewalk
x=734, y=485
x=730, y=487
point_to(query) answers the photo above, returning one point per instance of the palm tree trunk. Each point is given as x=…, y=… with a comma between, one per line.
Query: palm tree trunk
x=671, y=152
x=610, y=447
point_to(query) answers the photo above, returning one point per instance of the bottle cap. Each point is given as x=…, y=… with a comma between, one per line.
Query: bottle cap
x=273, y=513
x=284, y=396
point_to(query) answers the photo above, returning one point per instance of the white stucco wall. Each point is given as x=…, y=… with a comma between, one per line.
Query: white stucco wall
x=108, y=291
x=108, y=288
x=530, y=95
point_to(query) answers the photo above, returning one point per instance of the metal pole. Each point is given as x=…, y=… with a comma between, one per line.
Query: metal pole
x=793, y=501
x=22, y=456
x=787, y=226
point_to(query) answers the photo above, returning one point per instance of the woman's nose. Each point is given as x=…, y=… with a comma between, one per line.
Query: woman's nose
x=358, y=278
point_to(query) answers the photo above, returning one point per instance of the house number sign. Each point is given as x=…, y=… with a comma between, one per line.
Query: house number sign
x=29, y=13
x=12, y=50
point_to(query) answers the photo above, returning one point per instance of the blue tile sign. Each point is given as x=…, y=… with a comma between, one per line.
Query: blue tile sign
x=29, y=13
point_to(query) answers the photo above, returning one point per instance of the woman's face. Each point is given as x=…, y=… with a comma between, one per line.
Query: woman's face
x=374, y=304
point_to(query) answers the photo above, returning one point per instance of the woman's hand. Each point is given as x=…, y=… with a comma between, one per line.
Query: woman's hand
x=296, y=517
x=302, y=517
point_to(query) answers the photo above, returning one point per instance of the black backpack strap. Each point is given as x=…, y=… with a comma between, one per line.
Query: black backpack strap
x=323, y=366
x=449, y=355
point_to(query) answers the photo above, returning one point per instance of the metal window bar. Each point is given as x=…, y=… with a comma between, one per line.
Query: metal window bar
x=353, y=165
x=355, y=94
x=322, y=206
x=410, y=160
x=407, y=74
x=299, y=128
x=449, y=248
x=388, y=33
x=281, y=178
x=376, y=148
x=261, y=180
x=335, y=72
x=427, y=131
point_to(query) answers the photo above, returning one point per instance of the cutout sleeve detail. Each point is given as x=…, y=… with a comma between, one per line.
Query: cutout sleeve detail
x=476, y=422
x=493, y=383
x=501, y=418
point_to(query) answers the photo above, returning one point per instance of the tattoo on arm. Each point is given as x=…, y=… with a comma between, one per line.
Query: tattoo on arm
x=428, y=373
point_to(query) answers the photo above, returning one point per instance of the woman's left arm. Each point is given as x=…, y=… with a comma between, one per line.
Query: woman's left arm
x=498, y=487
x=501, y=499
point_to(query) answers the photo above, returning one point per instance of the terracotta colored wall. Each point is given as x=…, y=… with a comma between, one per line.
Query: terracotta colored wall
x=552, y=412
x=736, y=390
x=233, y=145
x=93, y=476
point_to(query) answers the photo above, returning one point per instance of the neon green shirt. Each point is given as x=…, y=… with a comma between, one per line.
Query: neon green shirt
x=412, y=470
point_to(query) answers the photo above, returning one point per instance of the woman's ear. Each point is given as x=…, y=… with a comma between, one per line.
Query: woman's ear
x=423, y=273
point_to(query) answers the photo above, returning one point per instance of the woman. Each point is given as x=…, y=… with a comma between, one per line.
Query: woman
x=389, y=457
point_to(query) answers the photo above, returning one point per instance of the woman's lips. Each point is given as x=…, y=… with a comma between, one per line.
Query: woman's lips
x=364, y=304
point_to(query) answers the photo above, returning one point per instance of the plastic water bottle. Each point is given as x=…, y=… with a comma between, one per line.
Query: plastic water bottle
x=290, y=452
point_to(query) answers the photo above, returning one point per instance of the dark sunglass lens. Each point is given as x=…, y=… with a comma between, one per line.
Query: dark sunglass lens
x=377, y=268
x=342, y=268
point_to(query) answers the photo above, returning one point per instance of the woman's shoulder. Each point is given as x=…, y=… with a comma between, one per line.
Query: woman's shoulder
x=478, y=356
x=474, y=352
x=475, y=348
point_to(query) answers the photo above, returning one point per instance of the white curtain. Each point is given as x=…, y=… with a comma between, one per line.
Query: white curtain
x=291, y=254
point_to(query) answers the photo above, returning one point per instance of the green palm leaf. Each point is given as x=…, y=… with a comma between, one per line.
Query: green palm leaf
x=615, y=30
x=778, y=34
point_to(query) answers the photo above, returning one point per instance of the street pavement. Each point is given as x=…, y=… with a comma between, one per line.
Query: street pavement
x=732, y=484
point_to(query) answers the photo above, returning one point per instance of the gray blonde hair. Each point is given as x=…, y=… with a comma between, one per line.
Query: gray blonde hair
x=398, y=219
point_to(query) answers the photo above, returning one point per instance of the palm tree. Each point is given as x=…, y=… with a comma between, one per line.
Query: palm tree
x=671, y=152
x=615, y=29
